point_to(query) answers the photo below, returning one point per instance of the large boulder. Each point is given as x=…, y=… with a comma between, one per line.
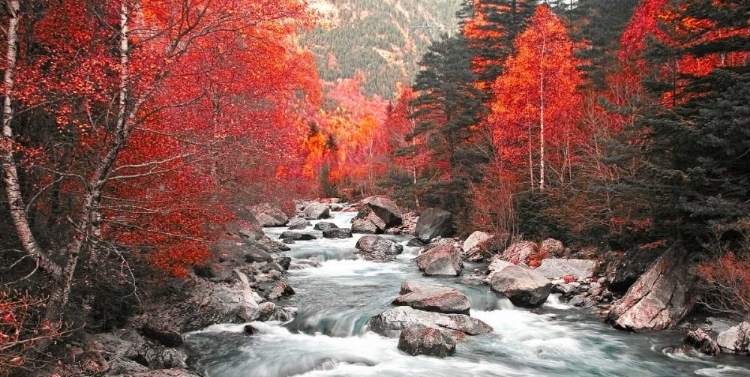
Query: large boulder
x=522, y=286
x=378, y=248
x=379, y=212
x=269, y=215
x=519, y=252
x=426, y=341
x=337, y=233
x=432, y=298
x=660, y=298
x=365, y=226
x=390, y=322
x=623, y=269
x=736, y=339
x=434, y=223
x=552, y=248
x=441, y=261
x=474, y=246
x=255, y=254
x=297, y=236
x=557, y=268
x=315, y=211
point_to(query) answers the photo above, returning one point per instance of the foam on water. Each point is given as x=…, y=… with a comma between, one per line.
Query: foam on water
x=353, y=267
x=554, y=302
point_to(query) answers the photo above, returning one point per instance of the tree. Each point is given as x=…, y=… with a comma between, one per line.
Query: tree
x=537, y=102
x=447, y=110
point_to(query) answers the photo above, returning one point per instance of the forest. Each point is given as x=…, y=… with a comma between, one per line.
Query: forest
x=134, y=131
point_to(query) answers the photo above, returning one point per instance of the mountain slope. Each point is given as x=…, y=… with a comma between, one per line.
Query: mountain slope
x=381, y=39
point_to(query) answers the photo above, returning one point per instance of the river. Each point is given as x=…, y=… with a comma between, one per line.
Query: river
x=336, y=300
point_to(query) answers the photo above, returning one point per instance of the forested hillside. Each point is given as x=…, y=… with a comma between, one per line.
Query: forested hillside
x=381, y=39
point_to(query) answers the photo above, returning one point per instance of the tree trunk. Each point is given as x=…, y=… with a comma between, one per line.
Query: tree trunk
x=541, y=117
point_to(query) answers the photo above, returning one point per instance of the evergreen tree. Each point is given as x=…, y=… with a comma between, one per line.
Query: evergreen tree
x=699, y=142
x=446, y=112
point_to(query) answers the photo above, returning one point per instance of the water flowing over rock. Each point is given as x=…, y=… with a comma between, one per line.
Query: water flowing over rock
x=474, y=246
x=519, y=252
x=432, y=298
x=324, y=225
x=378, y=248
x=441, y=261
x=297, y=236
x=298, y=224
x=557, y=268
x=269, y=215
x=702, y=341
x=337, y=233
x=316, y=211
x=736, y=339
x=433, y=223
x=392, y=321
x=523, y=287
x=660, y=298
x=426, y=341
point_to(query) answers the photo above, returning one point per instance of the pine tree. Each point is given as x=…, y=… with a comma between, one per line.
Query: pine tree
x=446, y=112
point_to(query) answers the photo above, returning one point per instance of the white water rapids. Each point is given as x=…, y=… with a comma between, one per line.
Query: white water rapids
x=336, y=300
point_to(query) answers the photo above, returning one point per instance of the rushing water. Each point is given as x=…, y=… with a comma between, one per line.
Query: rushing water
x=336, y=300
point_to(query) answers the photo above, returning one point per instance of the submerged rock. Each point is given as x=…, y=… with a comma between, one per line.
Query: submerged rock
x=440, y=261
x=523, y=287
x=378, y=248
x=660, y=298
x=426, y=341
x=432, y=297
x=433, y=223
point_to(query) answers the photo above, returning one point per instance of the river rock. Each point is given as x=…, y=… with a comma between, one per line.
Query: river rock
x=324, y=225
x=164, y=335
x=522, y=286
x=254, y=254
x=475, y=246
x=623, y=269
x=390, y=322
x=337, y=233
x=433, y=223
x=426, y=341
x=432, y=298
x=736, y=339
x=440, y=261
x=378, y=248
x=269, y=215
x=702, y=341
x=284, y=314
x=557, y=268
x=552, y=248
x=279, y=290
x=660, y=298
x=365, y=226
x=385, y=209
x=316, y=211
x=297, y=236
x=284, y=262
x=519, y=252
x=415, y=242
x=298, y=224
